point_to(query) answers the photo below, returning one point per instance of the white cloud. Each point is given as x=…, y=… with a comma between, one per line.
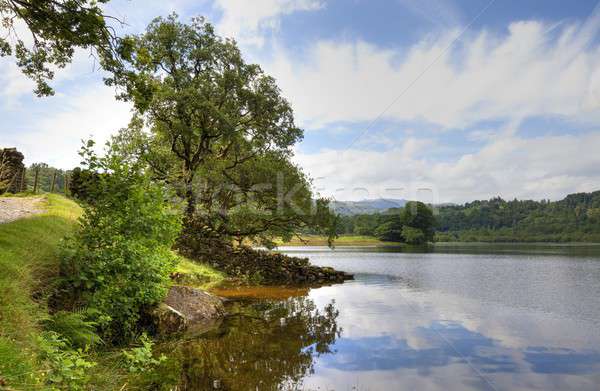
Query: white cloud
x=13, y=83
x=509, y=166
x=534, y=69
x=54, y=134
x=248, y=21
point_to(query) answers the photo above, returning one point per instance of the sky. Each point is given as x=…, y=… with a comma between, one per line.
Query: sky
x=442, y=101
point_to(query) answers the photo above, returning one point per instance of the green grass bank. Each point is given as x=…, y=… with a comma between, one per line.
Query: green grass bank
x=28, y=263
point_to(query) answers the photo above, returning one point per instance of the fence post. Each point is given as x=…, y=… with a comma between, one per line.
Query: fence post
x=53, y=182
x=35, y=181
x=23, y=180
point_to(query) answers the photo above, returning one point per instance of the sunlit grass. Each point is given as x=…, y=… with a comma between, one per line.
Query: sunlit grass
x=343, y=240
x=199, y=275
x=28, y=256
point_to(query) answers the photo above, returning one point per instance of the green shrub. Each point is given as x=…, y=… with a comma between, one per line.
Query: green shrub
x=390, y=231
x=413, y=235
x=118, y=263
x=140, y=359
x=74, y=328
x=67, y=369
x=83, y=184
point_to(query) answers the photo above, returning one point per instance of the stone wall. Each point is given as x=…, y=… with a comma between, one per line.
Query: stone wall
x=11, y=170
x=269, y=268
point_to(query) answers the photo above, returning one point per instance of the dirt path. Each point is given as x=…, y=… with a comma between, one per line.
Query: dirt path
x=13, y=208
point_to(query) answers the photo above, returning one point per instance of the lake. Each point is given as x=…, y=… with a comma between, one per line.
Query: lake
x=452, y=318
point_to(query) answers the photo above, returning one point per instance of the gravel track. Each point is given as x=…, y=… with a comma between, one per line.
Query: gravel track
x=14, y=208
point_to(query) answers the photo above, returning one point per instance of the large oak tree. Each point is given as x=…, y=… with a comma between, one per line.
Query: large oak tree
x=220, y=131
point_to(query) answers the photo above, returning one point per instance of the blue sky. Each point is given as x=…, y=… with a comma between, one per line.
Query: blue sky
x=467, y=99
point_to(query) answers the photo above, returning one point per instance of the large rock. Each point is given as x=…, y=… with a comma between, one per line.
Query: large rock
x=188, y=309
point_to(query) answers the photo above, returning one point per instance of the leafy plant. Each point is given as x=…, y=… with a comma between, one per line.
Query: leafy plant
x=118, y=263
x=67, y=368
x=140, y=359
x=74, y=328
x=413, y=235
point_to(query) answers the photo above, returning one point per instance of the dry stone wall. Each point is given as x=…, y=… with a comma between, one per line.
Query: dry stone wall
x=11, y=170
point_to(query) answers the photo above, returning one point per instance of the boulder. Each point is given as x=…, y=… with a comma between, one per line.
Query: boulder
x=169, y=321
x=188, y=309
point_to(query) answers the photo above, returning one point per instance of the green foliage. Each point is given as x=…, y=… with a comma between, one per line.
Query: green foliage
x=45, y=175
x=420, y=216
x=119, y=261
x=413, y=235
x=221, y=133
x=197, y=274
x=83, y=184
x=390, y=231
x=56, y=29
x=413, y=224
x=67, y=369
x=573, y=219
x=141, y=359
x=74, y=328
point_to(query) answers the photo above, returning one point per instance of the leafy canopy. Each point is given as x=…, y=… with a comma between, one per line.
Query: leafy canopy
x=56, y=28
x=220, y=131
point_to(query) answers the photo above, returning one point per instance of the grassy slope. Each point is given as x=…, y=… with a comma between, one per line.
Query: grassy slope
x=28, y=262
x=343, y=240
x=199, y=275
x=28, y=256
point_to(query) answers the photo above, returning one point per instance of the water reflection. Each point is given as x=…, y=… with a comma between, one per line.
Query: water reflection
x=265, y=345
x=411, y=321
x=463, y=322
x=457, y=344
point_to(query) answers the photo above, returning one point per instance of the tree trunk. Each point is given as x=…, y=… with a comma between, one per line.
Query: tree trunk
x=190, y=198
x=190, y=194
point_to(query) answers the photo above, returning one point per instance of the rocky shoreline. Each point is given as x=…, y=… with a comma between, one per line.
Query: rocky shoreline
x=264, y=267
x=190, y=310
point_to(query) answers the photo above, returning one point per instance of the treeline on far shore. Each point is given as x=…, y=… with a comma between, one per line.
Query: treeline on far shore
x=576, y=218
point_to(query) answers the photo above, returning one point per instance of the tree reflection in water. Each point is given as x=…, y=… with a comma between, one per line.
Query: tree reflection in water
x=266, y=345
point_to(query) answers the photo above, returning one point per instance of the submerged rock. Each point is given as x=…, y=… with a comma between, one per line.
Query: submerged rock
x=188, y=309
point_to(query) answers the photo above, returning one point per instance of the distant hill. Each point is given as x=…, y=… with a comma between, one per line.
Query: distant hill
x=576, y=218
x=350, y=208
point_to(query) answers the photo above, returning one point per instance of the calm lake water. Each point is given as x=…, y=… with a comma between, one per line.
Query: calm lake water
x=457, y=318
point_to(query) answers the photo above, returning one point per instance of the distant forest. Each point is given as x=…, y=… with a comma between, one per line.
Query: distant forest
x=46, y=174
x=576, y=218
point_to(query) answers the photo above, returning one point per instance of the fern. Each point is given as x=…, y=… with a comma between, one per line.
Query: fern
x=74, y=328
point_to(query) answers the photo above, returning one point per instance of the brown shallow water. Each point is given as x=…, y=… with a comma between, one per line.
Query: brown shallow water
x=520, y=319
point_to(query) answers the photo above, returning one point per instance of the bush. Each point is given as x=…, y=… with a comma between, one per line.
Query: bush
x=413, y=235
x=118, y=263
x=74, y=328
x=83, y=184
x=67, y=369
x=390, y=231
x=141, y=359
